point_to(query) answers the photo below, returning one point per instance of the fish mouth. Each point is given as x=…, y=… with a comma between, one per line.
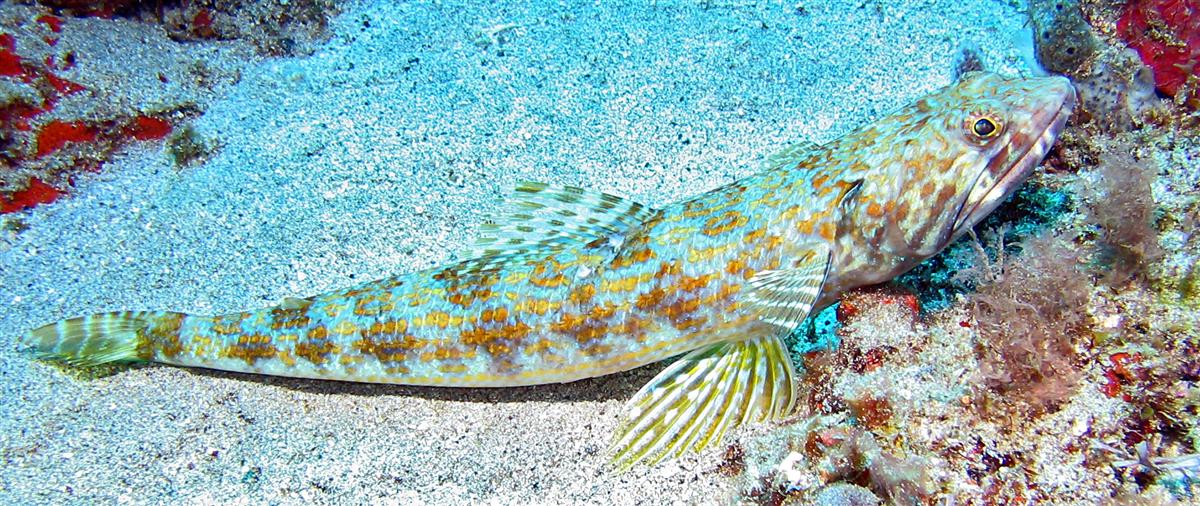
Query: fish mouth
x=1053, y=120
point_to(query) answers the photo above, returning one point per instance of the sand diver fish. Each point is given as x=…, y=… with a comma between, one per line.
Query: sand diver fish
x=573, y=283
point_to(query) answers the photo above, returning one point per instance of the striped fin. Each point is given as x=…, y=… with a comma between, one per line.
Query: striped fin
x=790, y=156
x=784, y=297
x=543, y=215
x=91, y=340
x=696, y=400
x=500, y=261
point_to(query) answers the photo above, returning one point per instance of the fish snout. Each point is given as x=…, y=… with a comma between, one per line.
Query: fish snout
x=1040, y=108
x=1052, y=101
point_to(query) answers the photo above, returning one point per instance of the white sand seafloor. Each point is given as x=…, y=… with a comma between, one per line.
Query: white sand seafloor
x=379, y=154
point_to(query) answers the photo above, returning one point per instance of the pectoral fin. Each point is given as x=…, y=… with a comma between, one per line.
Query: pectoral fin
x=784, y=297
x=692, y=403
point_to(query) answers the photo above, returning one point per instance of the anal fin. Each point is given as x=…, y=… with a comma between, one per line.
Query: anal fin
x=696, y=400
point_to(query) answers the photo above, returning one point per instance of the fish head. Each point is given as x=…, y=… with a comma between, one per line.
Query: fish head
x=939, y=166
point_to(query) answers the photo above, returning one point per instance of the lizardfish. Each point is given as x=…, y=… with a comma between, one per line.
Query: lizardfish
x=573, y=283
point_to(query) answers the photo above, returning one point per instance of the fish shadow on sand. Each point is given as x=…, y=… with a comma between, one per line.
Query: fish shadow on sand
x=619, y=386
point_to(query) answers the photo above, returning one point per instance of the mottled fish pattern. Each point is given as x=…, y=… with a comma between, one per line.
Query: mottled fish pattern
x=573, y=284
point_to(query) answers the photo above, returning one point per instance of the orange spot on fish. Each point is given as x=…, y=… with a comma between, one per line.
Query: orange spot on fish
x=754, y=235
x=650, y=299
x=596, y=349
x=460, y=299
x=318, y=332
x=724, y=222
x=444, y=353
x=439, y=319
x=345, y=328
x=642, y=255
x=314, y=352
x=692, y=284
x=542, y=346
x=819, y=180
x=805, y=227
x=548, y=282
x=927, y=189
x=483, y=336
x=603, y=312
x=667, y=269
x=567, y=322
x=690, y=323
x=582, y=294
x=251, y=348
x=386, y=328
x=828, y=231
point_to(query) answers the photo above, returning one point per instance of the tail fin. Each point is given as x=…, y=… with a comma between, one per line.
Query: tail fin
x=125, y=336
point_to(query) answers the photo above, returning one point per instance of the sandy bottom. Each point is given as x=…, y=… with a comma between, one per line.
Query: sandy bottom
x=379, y=154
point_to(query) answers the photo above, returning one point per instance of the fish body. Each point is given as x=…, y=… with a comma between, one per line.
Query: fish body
x=573, y=284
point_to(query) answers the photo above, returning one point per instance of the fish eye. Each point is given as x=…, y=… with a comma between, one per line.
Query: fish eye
x=985, y=127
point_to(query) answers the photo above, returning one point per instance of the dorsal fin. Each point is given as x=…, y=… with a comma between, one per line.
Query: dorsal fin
x=542, y=215
x=294, y=303
x=790, y=155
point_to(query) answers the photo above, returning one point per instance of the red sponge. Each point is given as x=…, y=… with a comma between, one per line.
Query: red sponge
x=1166, y=35
x=38, y=192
